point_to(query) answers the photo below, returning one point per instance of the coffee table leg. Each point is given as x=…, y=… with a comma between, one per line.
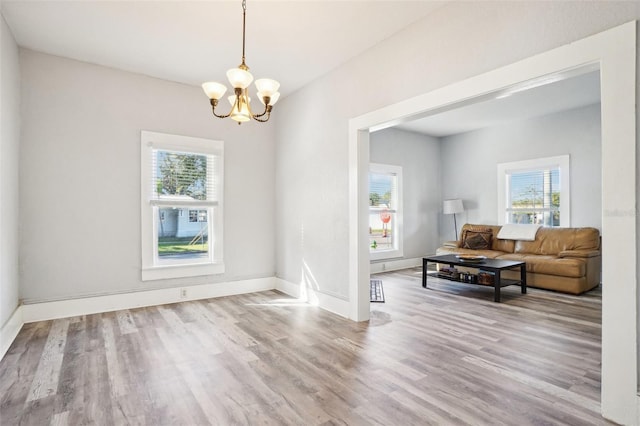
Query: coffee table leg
x=523, y=278
x=424, y=273
x=496, y=286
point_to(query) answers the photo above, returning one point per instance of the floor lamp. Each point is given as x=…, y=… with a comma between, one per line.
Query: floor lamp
x=453, y=207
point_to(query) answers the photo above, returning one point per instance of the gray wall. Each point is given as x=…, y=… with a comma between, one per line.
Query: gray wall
x=419, y=157
x=9, y=156
x=457, y=41
x=80, y=178
x=469, y=163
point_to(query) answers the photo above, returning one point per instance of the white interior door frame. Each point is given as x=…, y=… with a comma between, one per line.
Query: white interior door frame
x=614, y=52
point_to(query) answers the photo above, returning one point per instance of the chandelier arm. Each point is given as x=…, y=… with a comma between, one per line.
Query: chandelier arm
x=260, y=115
x=221, y=116
x=267, y=111
x=214, y=102
x=255, y=117
x=267, y=107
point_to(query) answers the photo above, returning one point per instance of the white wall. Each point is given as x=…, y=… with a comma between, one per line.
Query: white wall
x=419, y=157
x=469, y=163
x=9, y=155
x=80, y=178
x=311, y=191
x=459, y=40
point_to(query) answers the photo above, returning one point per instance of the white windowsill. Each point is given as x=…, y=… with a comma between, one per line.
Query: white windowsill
x=179, y=271
x=385, y=254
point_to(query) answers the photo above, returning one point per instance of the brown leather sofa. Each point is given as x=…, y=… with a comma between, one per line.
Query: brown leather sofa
x=562, y=259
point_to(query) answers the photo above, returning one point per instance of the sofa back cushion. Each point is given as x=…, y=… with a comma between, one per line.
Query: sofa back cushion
x=551, y=241
x=506, y=246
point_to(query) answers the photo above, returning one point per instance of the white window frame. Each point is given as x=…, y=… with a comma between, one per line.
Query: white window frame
x=152, y=269
x=561, y=162
x=397, y=250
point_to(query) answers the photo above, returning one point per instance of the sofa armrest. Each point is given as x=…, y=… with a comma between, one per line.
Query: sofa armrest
x=579, y=253
x=452, y=244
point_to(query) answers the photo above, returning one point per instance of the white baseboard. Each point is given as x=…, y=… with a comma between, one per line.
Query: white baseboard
x=308, y=295
x=92, y=305
x=10, y=330
x=394, y=265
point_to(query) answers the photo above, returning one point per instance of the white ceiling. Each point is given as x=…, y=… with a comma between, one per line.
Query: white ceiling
x=510, y=105
x=293, y=42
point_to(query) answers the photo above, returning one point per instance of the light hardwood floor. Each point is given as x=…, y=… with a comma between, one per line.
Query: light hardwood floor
x=446, y=355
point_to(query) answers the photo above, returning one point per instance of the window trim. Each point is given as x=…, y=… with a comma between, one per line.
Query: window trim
x=398, y=250
x=150, y=269
x=561, y=162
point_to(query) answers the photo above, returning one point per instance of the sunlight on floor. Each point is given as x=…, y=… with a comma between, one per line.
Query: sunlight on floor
x=305, y=297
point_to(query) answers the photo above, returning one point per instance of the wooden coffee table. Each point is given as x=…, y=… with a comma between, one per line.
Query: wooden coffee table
x=495, y=266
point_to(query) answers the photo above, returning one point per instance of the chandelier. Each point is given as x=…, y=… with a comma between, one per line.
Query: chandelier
x=240, y=78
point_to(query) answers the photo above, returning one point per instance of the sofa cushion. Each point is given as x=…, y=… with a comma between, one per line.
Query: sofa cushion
x=551, y=241
x=477, y=239
x=550, y=265
x=503, y=245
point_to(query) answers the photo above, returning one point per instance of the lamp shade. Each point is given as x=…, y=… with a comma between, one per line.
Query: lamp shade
x=267, y=86
x=272, y=98
x=452, y=206
x=239, y=78
x=214, y=90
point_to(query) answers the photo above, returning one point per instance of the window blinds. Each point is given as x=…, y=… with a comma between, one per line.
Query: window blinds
x=182, y=178
x=534, y=189
x=382, y=190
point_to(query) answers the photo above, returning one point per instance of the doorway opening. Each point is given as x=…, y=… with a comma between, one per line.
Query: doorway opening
x=614, y=53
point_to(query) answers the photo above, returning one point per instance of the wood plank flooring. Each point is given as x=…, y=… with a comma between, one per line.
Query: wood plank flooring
x=447, y=355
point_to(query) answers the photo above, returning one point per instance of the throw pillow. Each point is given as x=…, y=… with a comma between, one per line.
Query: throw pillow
x=477, y=240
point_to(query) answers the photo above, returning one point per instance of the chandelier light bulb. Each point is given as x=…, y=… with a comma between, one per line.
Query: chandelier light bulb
x=240, y=111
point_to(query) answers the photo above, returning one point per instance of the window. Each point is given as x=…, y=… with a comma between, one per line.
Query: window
x=535, y=192
x=181, y=190
x=385, y=211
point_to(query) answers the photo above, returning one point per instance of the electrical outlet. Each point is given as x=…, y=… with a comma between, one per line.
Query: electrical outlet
x=183, y=293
